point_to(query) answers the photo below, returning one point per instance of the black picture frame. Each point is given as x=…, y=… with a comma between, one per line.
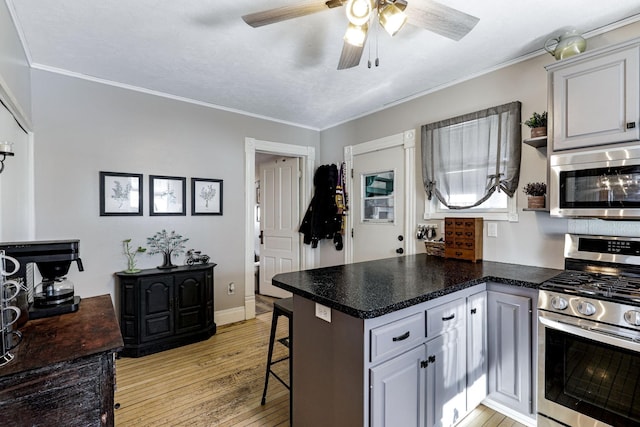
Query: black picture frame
x=206, y=196
x=120, y=194
x=167, y=195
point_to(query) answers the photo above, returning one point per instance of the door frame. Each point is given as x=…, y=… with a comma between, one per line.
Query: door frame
x=407, y=140
x=307, y=156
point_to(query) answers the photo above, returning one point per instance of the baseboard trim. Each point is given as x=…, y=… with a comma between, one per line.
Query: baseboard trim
x=505, y=410
x=231, y=315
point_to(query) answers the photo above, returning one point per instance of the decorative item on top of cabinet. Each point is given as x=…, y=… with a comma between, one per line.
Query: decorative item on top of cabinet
x=568, y=44
x=463, y=238
x=162, y=309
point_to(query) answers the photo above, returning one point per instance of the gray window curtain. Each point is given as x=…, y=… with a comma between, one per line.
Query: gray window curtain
x=467, y=158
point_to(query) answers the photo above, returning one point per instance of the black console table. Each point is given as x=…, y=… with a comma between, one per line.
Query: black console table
x=165, y=308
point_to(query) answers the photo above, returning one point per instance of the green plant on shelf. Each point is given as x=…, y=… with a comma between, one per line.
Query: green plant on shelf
x=537, y=120
x=535, y=189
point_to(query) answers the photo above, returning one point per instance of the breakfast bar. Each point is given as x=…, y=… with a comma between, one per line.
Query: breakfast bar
x=380, y=312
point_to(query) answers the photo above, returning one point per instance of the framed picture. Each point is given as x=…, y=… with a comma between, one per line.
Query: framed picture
x=120, y=194
x=167, y=195
x=206, y=196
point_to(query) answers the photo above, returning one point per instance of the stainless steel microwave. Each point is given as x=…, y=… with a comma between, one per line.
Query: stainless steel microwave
x=599, y=183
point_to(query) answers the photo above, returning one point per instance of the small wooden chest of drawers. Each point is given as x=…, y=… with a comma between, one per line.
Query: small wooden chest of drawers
x=463, y=238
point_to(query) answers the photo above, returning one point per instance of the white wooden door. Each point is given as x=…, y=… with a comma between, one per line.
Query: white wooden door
x=378, y=204
x=279, y=221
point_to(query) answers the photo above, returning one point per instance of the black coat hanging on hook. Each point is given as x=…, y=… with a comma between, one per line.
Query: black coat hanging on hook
x=322, y=219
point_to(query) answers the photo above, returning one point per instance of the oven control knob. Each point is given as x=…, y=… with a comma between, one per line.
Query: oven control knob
x=586, y=308
x=559, y=303
x=632, y=317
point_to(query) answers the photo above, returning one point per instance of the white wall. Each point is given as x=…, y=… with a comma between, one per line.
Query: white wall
x=15, y=85
x=536, y=239
x=83, y=127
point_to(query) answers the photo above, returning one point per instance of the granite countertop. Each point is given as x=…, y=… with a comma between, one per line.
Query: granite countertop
x=375, y=288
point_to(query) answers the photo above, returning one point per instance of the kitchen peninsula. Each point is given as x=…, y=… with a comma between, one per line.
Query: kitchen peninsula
x=368, y=361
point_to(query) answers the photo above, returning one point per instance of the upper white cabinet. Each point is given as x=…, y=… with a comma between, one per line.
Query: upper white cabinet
x=594, y=97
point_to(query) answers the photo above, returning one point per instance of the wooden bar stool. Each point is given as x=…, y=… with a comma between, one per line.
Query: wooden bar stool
x=282, y=307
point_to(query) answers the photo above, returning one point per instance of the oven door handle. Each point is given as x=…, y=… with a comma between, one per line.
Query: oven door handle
x=592, y=332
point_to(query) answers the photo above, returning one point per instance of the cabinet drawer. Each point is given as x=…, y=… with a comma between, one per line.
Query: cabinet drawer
x=456, y=253
x=396, y=336
x=444, y=317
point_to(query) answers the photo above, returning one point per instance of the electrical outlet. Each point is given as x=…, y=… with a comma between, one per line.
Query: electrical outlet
x=323, y=312
x=231, y=289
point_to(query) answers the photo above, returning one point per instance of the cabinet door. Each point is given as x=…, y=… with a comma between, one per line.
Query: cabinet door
x=397, y=391
x=509, y=321
x=446, y=379
x=156, y=307
x=190, y=301
x=595, y=100
x=476, y=349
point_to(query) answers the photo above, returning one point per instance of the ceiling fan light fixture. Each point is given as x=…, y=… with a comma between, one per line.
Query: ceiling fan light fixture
x=392, y=18
x=356, y=34
x=358, y=11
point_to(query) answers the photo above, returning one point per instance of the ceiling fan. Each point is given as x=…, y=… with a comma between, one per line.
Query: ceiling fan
x=389, y=14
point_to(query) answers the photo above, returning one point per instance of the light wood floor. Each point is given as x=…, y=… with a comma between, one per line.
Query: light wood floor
x=219, y=382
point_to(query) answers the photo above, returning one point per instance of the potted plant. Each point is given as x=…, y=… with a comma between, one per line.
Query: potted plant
x=167, y=244
x=536, y=192
x=538, y=124
x=131, y=256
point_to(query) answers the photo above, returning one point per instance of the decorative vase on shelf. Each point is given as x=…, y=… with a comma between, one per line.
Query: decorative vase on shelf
x=538, y=132
x=535, y=202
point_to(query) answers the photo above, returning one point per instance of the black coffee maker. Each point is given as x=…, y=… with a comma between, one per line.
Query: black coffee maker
x=55, y=294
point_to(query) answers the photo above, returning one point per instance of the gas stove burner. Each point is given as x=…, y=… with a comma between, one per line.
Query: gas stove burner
x=592, y=288
x=596, y=285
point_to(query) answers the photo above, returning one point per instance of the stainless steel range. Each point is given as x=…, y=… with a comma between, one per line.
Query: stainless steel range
x=589, y=335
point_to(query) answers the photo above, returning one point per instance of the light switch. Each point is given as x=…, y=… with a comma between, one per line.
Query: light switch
x=492, y=229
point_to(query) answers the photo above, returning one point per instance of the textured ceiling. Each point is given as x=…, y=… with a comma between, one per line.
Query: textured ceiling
x=202, y=50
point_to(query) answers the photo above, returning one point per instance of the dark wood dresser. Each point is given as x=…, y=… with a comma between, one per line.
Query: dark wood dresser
x=463, y=238
x=63, y=373
x=165, y=308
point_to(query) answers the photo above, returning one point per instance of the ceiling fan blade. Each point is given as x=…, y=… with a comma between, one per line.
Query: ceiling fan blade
x=440, y=19
x=350, y=56
x=271, y=16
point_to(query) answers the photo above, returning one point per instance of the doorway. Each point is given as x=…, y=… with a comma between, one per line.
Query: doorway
x=379, y=227
x=306, y=158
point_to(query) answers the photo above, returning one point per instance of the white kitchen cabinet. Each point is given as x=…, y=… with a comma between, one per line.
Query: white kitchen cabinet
x=426, y=385
x=446, y=379
x=477, y=355
x=510, y=351
x=594, y=98
x=398, y=392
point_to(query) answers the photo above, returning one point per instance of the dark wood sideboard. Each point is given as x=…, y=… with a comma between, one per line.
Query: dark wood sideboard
x=165, y=308
x=63, y=373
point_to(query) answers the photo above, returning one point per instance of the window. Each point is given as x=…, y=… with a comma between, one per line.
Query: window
x=471, y=163
x=379, y=199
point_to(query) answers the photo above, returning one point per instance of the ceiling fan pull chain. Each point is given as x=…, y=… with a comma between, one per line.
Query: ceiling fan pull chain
x=377, y=57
